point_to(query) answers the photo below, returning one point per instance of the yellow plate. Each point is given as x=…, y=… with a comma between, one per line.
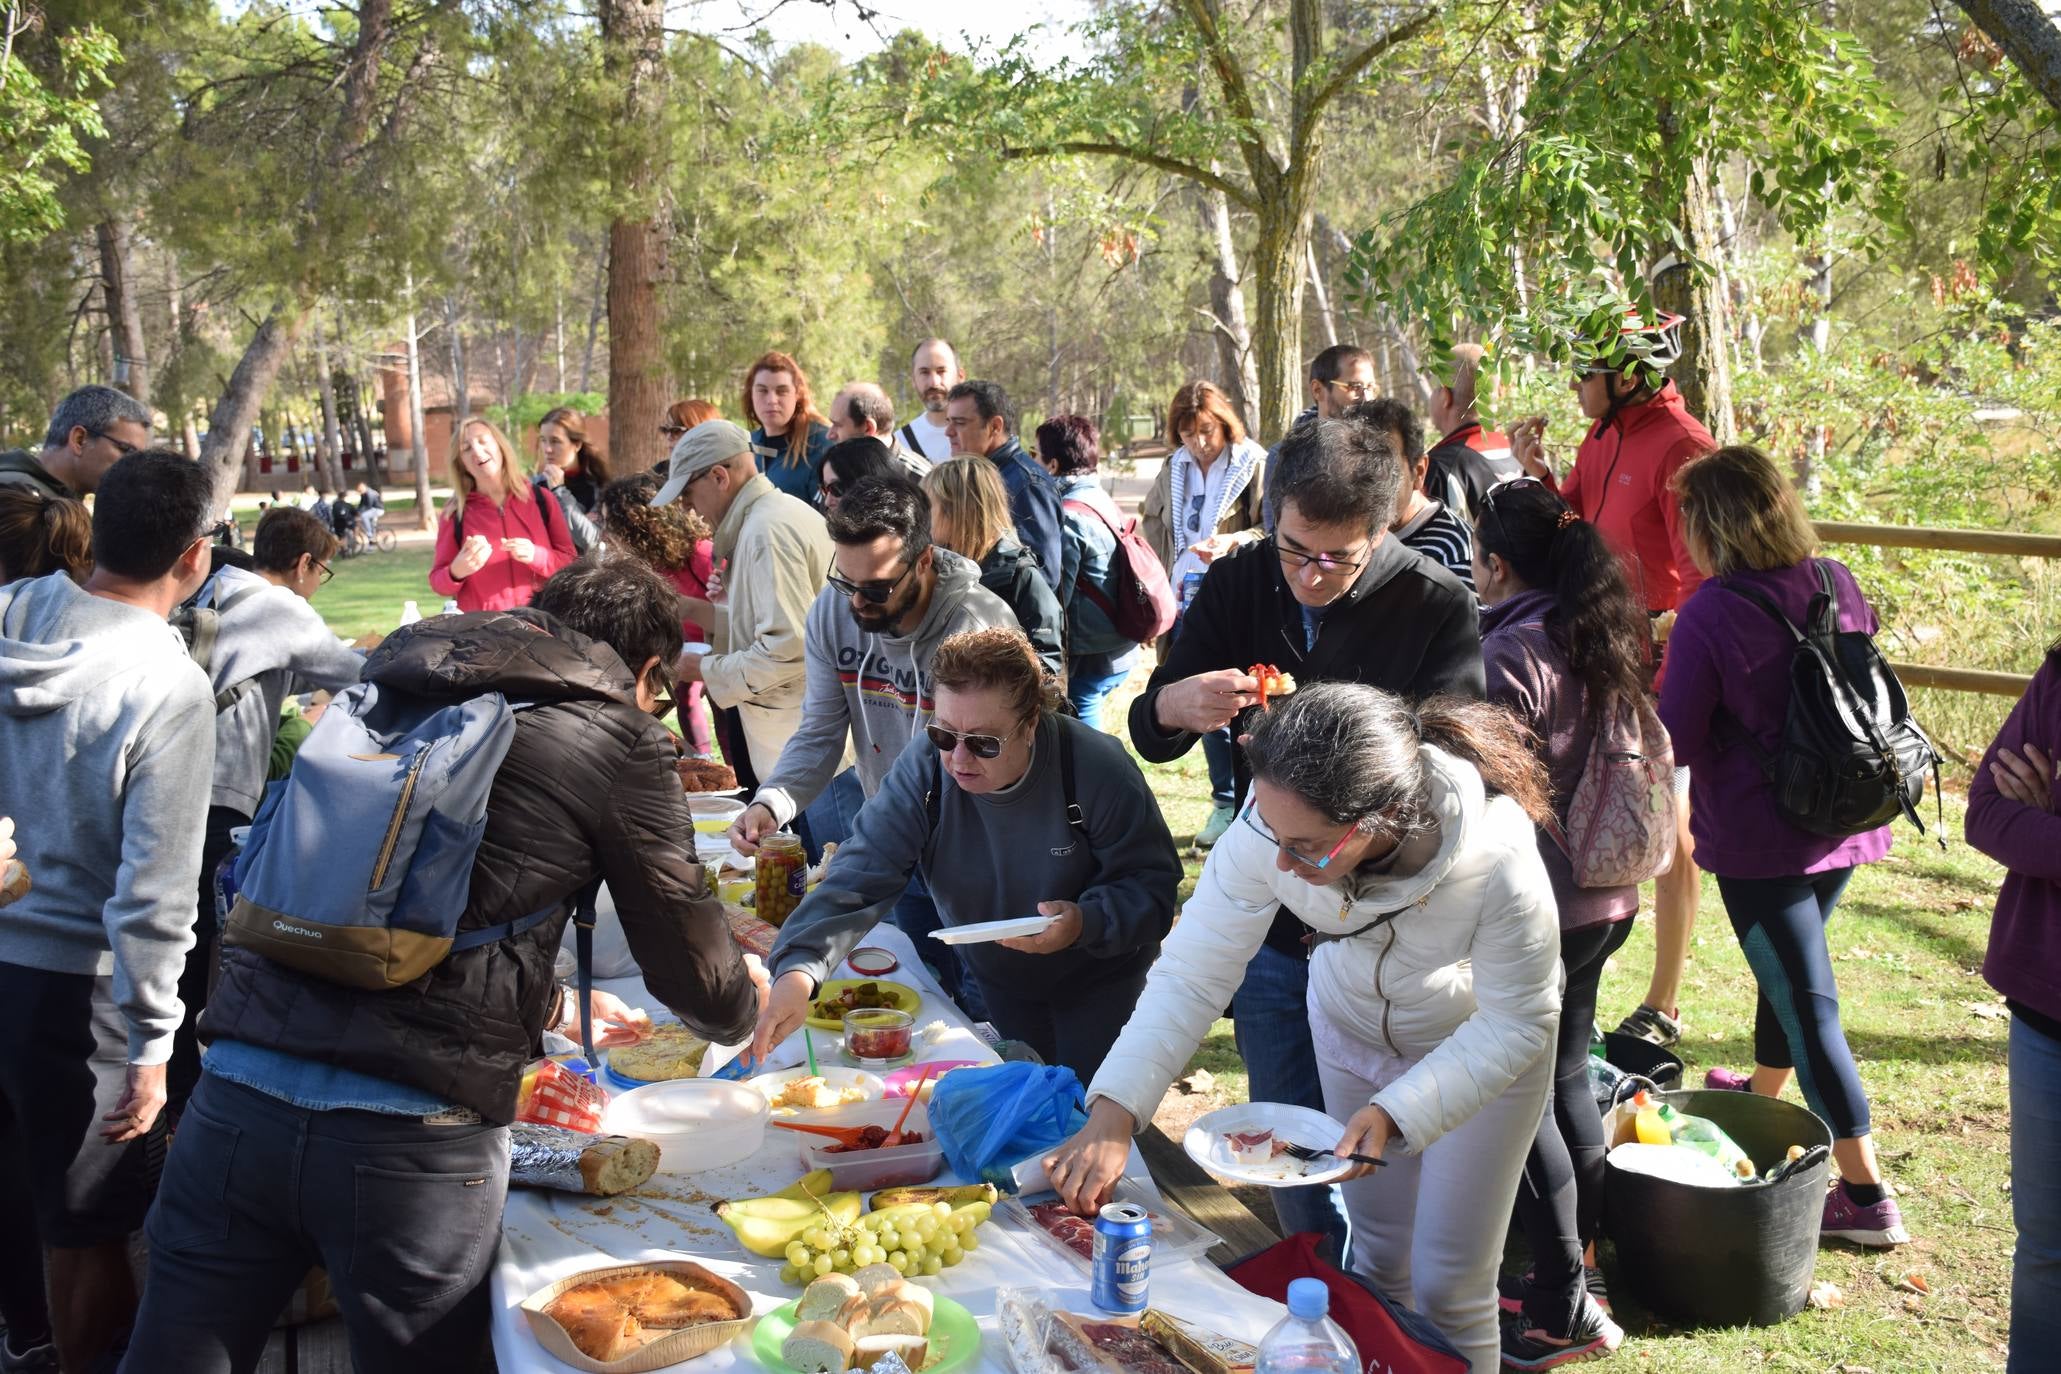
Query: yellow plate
x=905, y=998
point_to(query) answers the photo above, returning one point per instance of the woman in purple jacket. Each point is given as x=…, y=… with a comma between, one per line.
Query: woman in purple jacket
x=2011, y=818
x=1728, y=671
x=1562, y=638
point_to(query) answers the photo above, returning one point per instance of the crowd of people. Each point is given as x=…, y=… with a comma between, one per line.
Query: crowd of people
x=904, y=640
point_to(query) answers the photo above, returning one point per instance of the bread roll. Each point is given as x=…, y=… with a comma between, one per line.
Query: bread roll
x=914, y=1350
x=875, y=1277
x=818, y=1348
x=825, y=1298
x=889, y=1315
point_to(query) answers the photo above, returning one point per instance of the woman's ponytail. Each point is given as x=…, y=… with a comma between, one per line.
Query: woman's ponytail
x=1499, y=746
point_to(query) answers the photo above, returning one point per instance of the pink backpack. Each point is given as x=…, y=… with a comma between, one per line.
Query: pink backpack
x=1142, y=608
x=1621, y=820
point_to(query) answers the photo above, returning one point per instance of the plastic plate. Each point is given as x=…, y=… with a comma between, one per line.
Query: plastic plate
x=985, y=931
x=905, y=998
x=901, y=1081
x=954, y=1339
x=1206, y=1145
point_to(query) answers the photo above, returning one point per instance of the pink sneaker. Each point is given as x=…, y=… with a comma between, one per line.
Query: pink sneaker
x=1725, y=1081
x=1878, y=1227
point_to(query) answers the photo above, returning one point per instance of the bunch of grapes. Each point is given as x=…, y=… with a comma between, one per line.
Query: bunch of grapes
x=917, y=1239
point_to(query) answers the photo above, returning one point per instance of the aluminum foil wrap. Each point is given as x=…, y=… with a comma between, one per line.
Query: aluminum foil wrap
x=548, y=1156
x=890, y=1363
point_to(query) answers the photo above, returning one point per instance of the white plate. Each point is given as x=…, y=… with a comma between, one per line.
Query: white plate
x=985, y=931
x=1206, y=1145
x=698, y=647
x=835, y=1075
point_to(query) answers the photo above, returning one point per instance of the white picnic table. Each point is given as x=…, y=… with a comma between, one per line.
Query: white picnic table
x=546, y=1236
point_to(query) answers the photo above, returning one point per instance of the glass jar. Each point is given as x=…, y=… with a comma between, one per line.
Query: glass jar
x=782, y=876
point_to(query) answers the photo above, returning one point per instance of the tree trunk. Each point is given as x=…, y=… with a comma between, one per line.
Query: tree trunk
x=597, y=302
x=461, y=383
x=633, y=38
x=332, y=431
x=1278, y=255
x=2028, y=35
x=1321, y=296
x=1704, y=371
x=1227, y=307
x=124, y=320
x=230, y=425
x=558, y=334
x=418, y=443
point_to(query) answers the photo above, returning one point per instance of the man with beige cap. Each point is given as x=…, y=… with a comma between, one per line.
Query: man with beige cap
x=774, y=553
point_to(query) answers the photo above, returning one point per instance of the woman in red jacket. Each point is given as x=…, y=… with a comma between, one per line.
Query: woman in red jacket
x=496, y=543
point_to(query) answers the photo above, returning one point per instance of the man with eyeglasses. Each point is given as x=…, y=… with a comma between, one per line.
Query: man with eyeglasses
x=1339, y=376
x=893, y=598
x=1330, y=596
x=106, y=726
x=90, y=431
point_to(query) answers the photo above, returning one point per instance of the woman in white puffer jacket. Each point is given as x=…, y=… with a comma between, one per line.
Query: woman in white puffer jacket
x=1434, y=981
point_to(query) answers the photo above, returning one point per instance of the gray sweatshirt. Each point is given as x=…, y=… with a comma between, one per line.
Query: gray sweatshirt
x=873, y=687
x=107, y=736
x=273, y=639
x=996, y=856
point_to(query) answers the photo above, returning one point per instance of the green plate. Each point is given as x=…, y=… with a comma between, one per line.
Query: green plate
x=954, y=1338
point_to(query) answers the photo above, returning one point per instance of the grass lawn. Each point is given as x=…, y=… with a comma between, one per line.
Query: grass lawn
x=368, y=591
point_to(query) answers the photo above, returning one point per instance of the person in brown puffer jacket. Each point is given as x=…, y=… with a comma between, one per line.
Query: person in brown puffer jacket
x=366, y=1131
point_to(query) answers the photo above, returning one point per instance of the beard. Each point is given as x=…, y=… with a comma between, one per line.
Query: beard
x=934, y=399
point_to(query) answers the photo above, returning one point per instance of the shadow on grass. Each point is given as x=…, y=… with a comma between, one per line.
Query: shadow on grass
x=1931, y=927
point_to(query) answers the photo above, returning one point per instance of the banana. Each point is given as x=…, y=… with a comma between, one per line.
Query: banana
x=957, y=1196
x=767, y=1225
x=815, y=1184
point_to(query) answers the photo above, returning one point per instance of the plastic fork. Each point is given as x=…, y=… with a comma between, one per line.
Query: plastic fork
x=1306, y=1154
x=894, y=1137
x=852, y=1137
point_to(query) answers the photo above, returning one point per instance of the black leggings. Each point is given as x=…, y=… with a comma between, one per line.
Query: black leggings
x=1560, y=1198
x=1781, y=923
x=1074, y=1026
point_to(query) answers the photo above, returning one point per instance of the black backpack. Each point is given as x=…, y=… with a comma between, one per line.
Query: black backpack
x=1851, y=757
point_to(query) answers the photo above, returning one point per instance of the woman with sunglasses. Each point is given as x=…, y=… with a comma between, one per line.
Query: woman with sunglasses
x=1563, y=641
x=1013, y=810
x=1403, y=839
x=849, y=462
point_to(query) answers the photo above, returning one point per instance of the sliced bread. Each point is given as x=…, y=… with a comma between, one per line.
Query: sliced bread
x=818, y=1347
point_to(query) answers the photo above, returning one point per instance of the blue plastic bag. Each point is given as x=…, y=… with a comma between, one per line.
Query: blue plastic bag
x=990, y=1120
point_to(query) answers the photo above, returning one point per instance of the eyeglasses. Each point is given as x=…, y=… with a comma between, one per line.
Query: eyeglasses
x=1296, y=560
x=221, y=529
x=873, y=593
x=980, y=746
x=1251, y=817
x=121, y=446
x=1359, y=391
x=327, y=571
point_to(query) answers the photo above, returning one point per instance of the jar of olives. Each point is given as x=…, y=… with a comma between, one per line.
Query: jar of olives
x=782, y=875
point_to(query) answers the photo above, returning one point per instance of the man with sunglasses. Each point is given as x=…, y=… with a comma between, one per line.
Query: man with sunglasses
x=90, y=431
x=1330, y=596
x=1339, y=376
x=106, y=727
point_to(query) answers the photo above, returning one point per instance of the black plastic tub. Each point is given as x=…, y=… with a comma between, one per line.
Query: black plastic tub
x=1643, y=1057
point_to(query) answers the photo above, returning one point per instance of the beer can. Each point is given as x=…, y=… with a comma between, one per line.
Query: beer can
x=1122, y=1258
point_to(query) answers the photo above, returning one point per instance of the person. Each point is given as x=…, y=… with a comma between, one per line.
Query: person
x=934, y=369
x=371, y=507
x=497, y=543
x=2011, y=818
x=1341, y=375
x=1468, y=459
x=675, y=542
x=1002, y=774
x=1204, y=503
x=848, y=462
x=1622, y=482
x=106, y=726
x=367, y=1130
x=1728, y=680
x=1421, y=523
x=322, y=508
x=1404, y=836
x=1329, y=596
x=1099, y=658
x=969, y=514
x=782, y=552
x=894, y=597
x=269, y=644
x=790, y=437
x=92, y=428
x=983, y=423
x=573, y=470
x=343, y=517
x=682, y=416
x=41, y=533
x=861, y=410
x=1563, y=642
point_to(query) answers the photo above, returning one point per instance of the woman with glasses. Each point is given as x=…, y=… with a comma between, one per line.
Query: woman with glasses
x=682, y=416
x=969, y=514
x=1012, y=810
x=1403, y=840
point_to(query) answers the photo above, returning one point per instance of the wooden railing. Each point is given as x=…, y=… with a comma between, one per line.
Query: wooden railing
x=1948, y=541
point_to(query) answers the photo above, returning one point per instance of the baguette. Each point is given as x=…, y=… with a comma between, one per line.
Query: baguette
x=889, y=1315
x=819, y=1348
x=825, y=1299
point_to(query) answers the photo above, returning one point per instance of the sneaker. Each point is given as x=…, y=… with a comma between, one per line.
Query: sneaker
x=37, y=1359
x=1653, y=1025
x=1592, y=1333
x=1878, y=1227
x=1725, y=1081
x=1213, y=829
x=1511, y=1289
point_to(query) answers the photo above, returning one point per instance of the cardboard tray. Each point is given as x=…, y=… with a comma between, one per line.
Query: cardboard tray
x=669, y=1350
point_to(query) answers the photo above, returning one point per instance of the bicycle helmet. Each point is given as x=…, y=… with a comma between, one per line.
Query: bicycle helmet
x=1643, y=349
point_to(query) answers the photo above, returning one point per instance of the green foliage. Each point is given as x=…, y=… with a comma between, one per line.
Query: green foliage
x=527, y=411
x=47, y=115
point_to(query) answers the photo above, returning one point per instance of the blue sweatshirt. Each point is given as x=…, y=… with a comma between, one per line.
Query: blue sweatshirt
x=1033, y=506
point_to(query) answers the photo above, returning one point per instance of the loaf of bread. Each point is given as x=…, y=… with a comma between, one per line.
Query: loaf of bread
x=819, y=1347
x=706, y=775
x=575, y=1162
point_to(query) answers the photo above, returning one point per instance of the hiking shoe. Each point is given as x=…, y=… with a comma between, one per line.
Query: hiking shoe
x=1652, y=1025
x=1213, y=829
x=1878, y=1227
x=1511, y=1289
x=1725, y=1081
x=1591, y=1333
x=37, y=1359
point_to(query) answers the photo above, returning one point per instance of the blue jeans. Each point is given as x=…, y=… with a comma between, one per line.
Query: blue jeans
x=1091, y=678
x=1223, y=776
x=915, y=915
x=2035, y=1198
x=829, y=818
x=1272, y=1027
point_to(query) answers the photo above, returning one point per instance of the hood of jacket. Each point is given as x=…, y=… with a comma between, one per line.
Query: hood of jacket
x=1531, y=604
x=1006, y=562
x=58, y=643
x=523, y=654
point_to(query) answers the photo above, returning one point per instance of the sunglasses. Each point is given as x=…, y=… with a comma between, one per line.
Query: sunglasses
x=1251, y=817
x=1488, y=503
x=672, y=431
x=980, y=746
x=873, y=593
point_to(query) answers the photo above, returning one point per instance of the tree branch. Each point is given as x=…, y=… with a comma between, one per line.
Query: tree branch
x=1173, y=166
x=2028, y=35
x=1354, y=66
x=1237, y=95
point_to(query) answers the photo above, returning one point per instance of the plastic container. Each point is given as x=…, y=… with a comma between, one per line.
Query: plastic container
x=1744, y=1255
x=697, y=1123
x=865, y=1170
x=1643, y=1057
x=1174, y=1237
x=1307, y=1341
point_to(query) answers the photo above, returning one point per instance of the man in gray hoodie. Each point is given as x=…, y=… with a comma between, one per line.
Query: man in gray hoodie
x=107, y=730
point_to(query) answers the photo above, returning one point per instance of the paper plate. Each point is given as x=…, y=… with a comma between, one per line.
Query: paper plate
x=836, y=1075
x=1206, y=1145
x=905, y=998
x=985, y=931
x=902, y=1080
x=954, y=1338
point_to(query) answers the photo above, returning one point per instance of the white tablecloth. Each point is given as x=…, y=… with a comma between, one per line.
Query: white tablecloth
x=546, y=1236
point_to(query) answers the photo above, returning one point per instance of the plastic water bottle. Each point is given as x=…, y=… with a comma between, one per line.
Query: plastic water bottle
x=450, y=605
x=410, y=613
x=1307, y=1341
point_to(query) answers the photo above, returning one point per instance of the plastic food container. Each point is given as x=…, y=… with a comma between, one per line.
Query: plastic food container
x=877, y=1037
x=697, y=1123
x=1174, y=1237
x=865, y=1170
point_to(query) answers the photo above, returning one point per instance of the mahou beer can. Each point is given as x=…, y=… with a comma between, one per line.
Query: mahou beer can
x=1122, y=1259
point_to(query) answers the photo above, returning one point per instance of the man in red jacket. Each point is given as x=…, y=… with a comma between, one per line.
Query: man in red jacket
x=1623, y=483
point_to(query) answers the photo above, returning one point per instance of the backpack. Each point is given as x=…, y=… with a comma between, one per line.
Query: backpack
x=1851, y=757
x=200, y=626
x=1389, y=1338
x=1620, y=825
x=1142, y=607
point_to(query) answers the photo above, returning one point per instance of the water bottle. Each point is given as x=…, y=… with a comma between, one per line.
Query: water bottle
x=450, y=605
x=1307, y=1341
x=410, y=613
